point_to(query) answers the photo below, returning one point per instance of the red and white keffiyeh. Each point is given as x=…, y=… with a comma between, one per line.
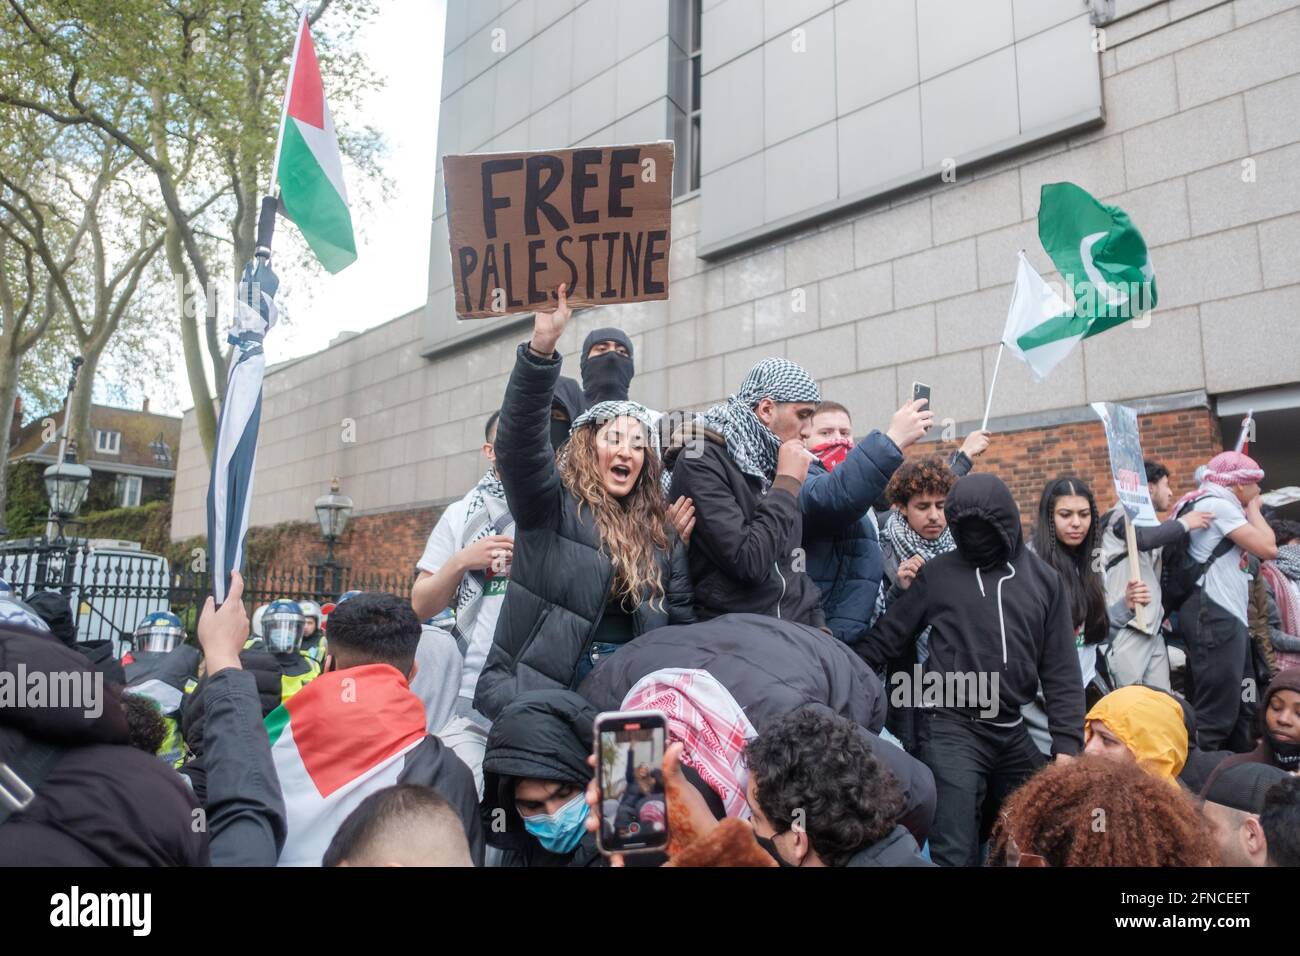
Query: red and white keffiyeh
x=704, y=717
x=1232, y=468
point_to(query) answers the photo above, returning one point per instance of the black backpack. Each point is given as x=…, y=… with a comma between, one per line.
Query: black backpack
x=1180, y=571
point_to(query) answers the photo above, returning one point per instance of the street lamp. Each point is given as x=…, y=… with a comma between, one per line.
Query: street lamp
x=332, y=512
x=66, y=484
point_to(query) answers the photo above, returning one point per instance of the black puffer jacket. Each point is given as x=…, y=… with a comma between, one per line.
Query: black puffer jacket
x=747, y=551
x=1002, y=613
x=545, y=735
x=771, y=668
x=103, y=803
x=560, y=578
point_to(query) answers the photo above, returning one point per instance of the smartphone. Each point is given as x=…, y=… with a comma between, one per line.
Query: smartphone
x=630, y=749
x=921, y=391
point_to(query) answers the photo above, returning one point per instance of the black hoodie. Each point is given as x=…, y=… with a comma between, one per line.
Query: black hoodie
x=53, y=609
x=994, y=608
x=567, y=396
x=545, y=735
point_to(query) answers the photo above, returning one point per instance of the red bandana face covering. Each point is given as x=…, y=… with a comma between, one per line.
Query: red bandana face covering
x=833, y=452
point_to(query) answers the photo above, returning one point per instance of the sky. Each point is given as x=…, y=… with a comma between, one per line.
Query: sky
x=404, y=43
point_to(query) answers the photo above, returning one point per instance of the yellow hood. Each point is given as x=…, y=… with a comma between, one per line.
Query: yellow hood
x=1151, y=725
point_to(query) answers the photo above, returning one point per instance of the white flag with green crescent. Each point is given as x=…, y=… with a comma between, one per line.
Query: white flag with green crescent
x=1103, y=261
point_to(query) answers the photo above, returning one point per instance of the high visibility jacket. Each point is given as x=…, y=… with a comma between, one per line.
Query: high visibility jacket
x=165, y=679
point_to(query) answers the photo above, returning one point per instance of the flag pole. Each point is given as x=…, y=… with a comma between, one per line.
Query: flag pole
x=284, y=107
x=1002, y=347
x=1244, y=434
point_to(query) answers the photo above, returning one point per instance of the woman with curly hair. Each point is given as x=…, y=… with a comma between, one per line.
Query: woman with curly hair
x=595, y=560
x=1096, y=812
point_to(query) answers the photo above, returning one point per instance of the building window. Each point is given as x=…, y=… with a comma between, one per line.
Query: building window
x=128, y=491
x=162, y=452
x=107, y=443
x=685, y=73
x=694, y=154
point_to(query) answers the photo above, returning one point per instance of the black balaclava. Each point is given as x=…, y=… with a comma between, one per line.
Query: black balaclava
x=606, y=377
x=568, y=396
x=980, y=542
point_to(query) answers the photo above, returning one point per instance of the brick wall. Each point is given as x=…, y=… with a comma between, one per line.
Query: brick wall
x=1027, y=460
x=381, y=544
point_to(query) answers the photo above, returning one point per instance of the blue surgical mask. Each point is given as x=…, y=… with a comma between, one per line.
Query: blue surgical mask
x=561, y=831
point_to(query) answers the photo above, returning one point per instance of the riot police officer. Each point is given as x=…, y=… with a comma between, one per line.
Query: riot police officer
x=163, y=669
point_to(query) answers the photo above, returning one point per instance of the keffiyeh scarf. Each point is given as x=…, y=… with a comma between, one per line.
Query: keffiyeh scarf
x=751, y=444
x=1283, y=576
x=907, y=543
x=709, y=723
x=487, y=504
x=603, y=412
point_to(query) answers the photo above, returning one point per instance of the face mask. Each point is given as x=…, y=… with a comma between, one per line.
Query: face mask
x=559, y=433
x=1285, y=753
x=606, y=378
x=769, y=844
x=832, y=452
x=979, y=543
x=561, y=831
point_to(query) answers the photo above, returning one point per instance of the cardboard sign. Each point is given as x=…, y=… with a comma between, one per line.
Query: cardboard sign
x=521, y=223
x=1127, y=467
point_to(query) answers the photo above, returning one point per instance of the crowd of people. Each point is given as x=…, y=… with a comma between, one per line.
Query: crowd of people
x=861, y=656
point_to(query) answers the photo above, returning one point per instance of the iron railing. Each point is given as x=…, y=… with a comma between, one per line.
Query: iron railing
x=110, y=591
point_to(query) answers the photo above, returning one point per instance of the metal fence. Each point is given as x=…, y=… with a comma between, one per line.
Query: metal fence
x=110, y=591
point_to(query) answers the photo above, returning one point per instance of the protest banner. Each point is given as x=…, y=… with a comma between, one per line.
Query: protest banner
x=1128, y=471
x=598, y=219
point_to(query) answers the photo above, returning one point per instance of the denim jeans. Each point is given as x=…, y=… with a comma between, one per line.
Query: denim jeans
x=596, y=652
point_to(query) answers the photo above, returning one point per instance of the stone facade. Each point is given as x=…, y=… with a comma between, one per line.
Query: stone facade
x=1200, y=144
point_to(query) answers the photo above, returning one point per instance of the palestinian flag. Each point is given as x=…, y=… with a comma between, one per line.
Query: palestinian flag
x=308, y=166
x=342, y=737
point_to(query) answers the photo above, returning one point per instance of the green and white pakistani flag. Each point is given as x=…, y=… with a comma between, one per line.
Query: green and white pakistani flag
x=308, y=166
x=1103, y=261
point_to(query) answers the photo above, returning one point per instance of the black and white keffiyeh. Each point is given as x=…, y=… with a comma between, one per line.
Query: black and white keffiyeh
x=487, y=503
x=751, y=444
x=1288, y=560
x=907, y=542
x=603, y=412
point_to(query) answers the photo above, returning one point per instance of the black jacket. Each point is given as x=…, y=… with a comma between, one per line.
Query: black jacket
x=560, y=579
x=267, y=671
x=1010, y=619
x=771, y=668
x=896, y=849
x=546, y=735
x=746, y=544
x=246, y=816
x=103, y=803
x=52, y=606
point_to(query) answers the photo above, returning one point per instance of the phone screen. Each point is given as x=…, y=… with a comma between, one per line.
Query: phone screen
x=921, y=391
x=630, y=755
